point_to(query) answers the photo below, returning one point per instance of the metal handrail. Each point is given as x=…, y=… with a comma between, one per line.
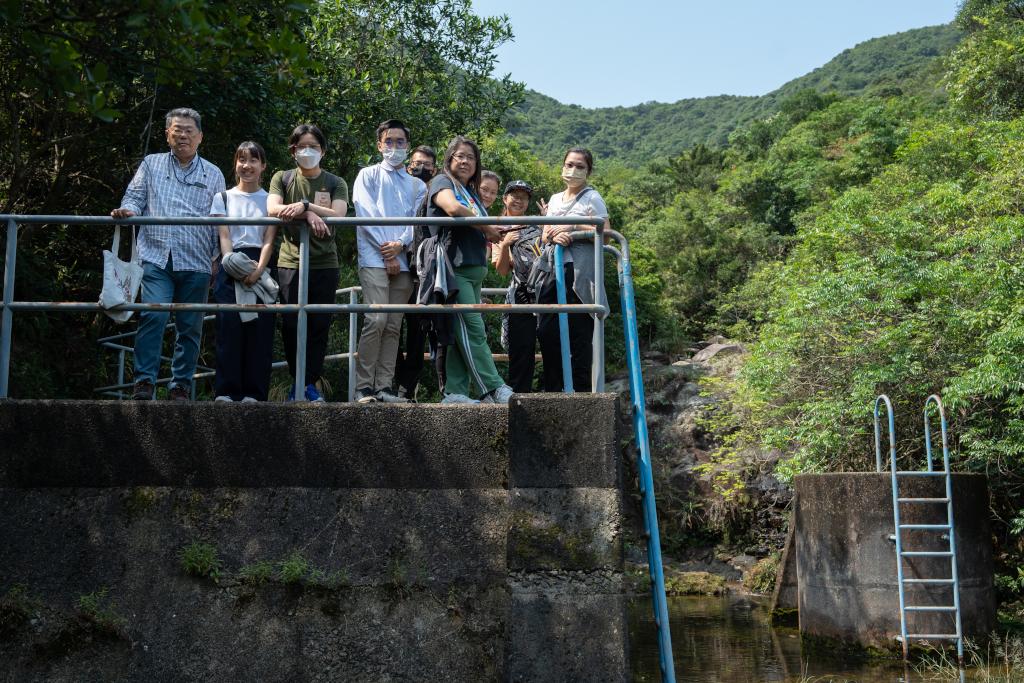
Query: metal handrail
x=109, y=342
x=646, y=472
x=302, y=307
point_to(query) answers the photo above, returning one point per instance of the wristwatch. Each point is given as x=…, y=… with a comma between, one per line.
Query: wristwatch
x=305, y=205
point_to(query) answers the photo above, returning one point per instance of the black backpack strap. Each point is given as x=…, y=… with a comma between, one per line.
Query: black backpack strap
x=224, y=198
x=286, y=180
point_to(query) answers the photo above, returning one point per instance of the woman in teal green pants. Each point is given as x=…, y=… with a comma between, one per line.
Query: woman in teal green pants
x=453, y=192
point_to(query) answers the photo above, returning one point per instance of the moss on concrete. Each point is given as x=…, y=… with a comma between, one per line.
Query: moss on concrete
x=535, y=544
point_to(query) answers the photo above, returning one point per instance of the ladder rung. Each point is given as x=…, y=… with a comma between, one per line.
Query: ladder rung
x=920, y=473
x=926, y=553
x=930, y=636
x=928, y=581
x=926, y=526
x=922, y=500
x=930, y=608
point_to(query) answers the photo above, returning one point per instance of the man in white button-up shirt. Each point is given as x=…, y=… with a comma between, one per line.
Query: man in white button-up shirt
x=384, y=190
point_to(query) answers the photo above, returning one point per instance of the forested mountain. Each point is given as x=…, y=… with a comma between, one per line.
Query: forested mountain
x=903, y=63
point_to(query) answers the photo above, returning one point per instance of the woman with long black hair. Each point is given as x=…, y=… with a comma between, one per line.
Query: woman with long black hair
x=455, y=192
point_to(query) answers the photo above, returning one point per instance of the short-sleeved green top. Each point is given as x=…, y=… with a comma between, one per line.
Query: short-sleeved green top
x=323, y=252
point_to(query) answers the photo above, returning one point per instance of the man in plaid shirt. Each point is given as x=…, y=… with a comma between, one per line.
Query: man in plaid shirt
x=176, y=259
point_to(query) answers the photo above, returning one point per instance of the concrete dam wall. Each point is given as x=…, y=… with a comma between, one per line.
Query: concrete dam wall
x=239, y=542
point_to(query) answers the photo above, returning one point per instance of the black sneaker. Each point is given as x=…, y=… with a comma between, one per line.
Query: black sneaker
x=143, y=391
x=388, y=396
x=365, y=395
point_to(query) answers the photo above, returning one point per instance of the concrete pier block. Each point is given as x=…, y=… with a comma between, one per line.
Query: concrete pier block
x=846, y=562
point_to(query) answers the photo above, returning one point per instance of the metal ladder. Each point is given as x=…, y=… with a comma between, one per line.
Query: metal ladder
x=945, y=531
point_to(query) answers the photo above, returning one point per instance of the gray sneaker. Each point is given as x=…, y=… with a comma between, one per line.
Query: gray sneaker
x=458, y=398
x=500, y=395
x=365, y=395
x=387, y=396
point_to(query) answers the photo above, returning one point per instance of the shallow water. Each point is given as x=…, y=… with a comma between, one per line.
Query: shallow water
x=730, y=639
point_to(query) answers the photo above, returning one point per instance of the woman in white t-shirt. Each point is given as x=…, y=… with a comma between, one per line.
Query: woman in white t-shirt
x=244, y=349
x=578, y=199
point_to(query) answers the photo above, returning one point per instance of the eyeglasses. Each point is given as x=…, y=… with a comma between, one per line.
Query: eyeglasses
x=186, y=132
x=400, y=144
x=314, y=146
x=463, y=157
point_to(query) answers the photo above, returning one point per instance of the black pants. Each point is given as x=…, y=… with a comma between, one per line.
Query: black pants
x=244, y=350
x=522, y=344
x=410, y=355
x=323, y=282
x=581, y=331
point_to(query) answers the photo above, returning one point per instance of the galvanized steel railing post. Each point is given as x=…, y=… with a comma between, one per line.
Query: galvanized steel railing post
x=353, y=319
x=597, y=365
x=300, y=334
x=7, y=318
x=563, y=322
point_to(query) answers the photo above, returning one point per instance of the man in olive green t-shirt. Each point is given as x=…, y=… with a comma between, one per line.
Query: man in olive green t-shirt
x=307, y=193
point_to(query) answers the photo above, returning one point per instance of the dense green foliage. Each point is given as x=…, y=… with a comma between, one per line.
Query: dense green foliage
x=899, y=272
x=904, y=63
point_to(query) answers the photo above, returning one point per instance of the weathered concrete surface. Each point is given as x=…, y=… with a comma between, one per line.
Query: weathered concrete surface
x=108, y=443
x=426, y=557
x=785, y=595
x=846, y=564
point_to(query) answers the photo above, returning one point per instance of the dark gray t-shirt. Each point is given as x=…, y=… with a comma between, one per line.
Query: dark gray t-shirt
x=468, y=244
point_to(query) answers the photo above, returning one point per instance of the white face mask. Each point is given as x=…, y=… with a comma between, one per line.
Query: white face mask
x=574, y=176
x=395, y=156
x=308, y=158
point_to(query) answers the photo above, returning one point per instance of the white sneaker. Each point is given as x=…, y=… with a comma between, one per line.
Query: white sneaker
x=458, y=398
x=500, y=395
x=223, y=399
x=249, y=399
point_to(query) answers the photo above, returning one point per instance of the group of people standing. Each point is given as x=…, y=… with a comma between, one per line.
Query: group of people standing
x=259, y=264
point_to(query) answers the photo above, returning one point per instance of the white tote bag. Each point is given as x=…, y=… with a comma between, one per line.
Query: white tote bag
x=121, y=279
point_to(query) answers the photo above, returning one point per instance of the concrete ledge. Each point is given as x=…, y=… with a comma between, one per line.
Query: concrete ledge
x=123, y=443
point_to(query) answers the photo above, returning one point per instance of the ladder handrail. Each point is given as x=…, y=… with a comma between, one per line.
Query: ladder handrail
x=878, y=432
x=934, y=399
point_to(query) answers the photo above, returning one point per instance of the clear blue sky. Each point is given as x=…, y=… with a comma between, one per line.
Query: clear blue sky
x=605, y=53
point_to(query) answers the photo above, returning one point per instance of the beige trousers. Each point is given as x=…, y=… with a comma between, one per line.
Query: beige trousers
x=378, y=342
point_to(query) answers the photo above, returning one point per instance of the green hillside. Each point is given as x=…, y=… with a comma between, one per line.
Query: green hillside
x=901, y=63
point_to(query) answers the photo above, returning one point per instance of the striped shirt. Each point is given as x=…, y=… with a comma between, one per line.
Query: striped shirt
x=161, y=187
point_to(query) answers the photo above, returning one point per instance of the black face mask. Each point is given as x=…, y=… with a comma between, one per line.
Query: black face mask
x=421, y=172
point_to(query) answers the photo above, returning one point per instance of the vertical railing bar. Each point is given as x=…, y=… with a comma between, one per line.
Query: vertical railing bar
x=300, y=333
x=896, y=519
x=563, y=322
x=7, y=317
x=353, y=319
x=597, y=354
x=120, y=371
x=954, y=565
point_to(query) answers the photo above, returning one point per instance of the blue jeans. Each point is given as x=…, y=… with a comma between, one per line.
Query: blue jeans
x=166, y=285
